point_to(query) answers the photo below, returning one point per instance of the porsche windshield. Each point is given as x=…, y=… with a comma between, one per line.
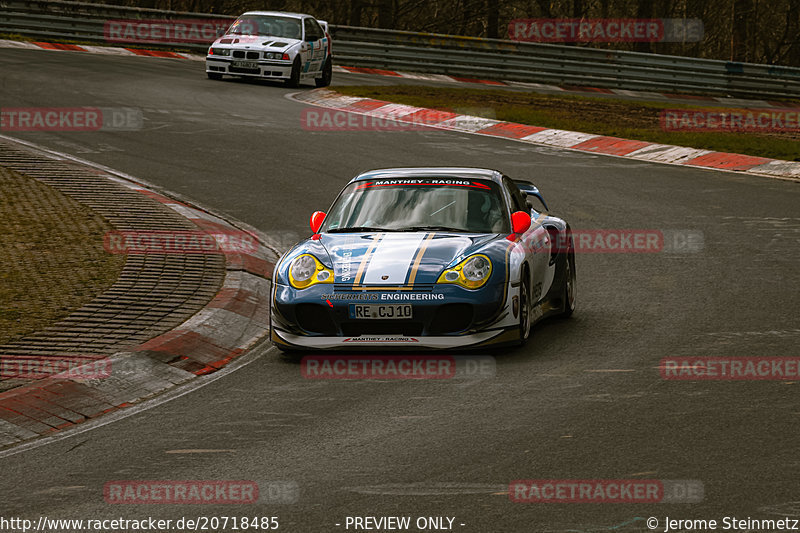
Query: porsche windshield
x=422, y=204
x=267, y=25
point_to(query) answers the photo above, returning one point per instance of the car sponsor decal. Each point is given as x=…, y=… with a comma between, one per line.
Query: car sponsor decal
x=309, y=57
x=449, y=182
x=347, y=266
x=388, y=296
x=319, y=51
x=347, y=253
x=380, y=338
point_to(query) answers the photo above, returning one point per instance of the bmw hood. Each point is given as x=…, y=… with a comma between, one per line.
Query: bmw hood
x=257, y=42
x=401, y=258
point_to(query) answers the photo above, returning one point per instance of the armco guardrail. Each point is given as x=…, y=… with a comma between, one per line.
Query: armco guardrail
x=560, y=65
x=448, y=54
x=83, y=21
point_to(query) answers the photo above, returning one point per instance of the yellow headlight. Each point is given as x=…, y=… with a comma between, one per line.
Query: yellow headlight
x=306, y=270
x=471, y=273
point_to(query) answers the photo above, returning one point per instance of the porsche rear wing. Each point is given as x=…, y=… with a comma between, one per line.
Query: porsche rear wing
x=529, y=189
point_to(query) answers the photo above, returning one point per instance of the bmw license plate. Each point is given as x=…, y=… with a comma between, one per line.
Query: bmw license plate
x=245, y=64
x=380, y=312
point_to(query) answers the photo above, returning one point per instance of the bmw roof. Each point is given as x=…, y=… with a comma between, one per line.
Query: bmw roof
x=277, y=14
x=431, y=172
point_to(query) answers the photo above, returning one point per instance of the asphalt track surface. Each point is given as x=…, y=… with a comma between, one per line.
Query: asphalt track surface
x=584, y=400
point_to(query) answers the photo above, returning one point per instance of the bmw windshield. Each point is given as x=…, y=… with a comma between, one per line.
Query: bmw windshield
x=267, y=25
x=421, y=204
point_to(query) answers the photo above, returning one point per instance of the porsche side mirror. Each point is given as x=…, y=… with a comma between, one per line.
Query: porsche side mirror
x=520, y=222
x=319, y=217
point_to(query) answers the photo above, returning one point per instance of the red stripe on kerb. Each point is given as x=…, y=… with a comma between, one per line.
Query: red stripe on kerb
x=364, y=70
x=250, y=263
x=727, y=161
x=687, y=97
x=428, y=116
x=475, y=80
x=365, y=105
x=242, y=302
x=60, y=46
x=159, y=197
x=775, y=103
x=511, y=130
x=197, y=347
x=584, y=89
x=610, y=145
x=154, y=53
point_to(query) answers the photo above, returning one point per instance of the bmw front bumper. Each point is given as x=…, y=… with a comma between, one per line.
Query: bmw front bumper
x=255, y=68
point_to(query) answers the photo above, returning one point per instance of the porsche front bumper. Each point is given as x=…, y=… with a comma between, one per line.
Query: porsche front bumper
x=444, y=317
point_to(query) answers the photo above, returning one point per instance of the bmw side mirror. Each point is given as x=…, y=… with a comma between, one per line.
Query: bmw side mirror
x=520, y=222
x=319, y=217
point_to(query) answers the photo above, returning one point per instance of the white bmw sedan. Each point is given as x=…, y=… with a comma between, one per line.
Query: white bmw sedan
x=273, y=45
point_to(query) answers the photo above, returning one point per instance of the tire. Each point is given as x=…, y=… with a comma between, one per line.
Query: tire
x=327, y=74
x=524, y=310
x=569, y=295
x=294, y=81
x=214, y=75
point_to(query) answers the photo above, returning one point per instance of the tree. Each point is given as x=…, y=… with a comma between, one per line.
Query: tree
x=492, y=18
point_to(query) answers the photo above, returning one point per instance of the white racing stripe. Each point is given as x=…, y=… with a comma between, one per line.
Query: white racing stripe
x=392, y=259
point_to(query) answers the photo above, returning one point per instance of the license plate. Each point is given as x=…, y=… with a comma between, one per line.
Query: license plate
x=245, y=64
x=380, y=312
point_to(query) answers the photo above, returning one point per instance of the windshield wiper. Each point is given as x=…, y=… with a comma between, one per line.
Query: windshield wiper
x=437, y=228
x=358, y=229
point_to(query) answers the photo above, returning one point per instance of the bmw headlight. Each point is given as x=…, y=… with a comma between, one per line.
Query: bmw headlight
x=471, y=273
x=220, y=51
x=306, y=270
x=272, y=55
